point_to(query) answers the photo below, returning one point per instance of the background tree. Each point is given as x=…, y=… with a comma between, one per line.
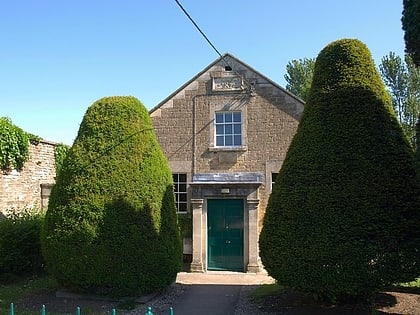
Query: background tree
x=411, y=26
x=342, y=218
x=111, y=225
x=299, y=76
x=402, y=79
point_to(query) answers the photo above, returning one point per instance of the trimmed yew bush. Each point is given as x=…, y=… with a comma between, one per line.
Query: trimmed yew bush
x=111, y=226
x=343, y=217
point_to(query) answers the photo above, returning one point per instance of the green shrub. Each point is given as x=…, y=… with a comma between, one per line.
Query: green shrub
x=343, y=216
x=20, y=246
x=111, y=225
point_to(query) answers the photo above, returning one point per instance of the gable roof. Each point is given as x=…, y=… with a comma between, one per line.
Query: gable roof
x=224, y=59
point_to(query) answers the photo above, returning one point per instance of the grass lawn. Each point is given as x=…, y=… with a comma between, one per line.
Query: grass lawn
x=12, y=291
x=398, y=299
x=413, y=284
x=276, y=289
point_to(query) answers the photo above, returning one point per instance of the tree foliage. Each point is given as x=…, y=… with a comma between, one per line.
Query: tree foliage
x=111, y=225
x=343, y=216
x=411, y=26
x=14, y=145
x=403, y=81
x=299, y=76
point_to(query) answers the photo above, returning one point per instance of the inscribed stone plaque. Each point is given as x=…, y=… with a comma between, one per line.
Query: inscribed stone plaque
x=227, y=84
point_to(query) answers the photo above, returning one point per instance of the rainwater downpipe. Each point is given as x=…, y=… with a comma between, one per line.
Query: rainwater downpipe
x=194, y=130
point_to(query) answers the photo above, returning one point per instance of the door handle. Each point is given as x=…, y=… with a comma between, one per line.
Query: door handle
x=227, y=242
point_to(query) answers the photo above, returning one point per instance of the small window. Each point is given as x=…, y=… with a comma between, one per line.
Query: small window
x=180, y=189
x=228, y=129
x=273, y=179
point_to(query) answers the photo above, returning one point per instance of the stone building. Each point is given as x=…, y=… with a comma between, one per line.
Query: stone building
x=29, y=187
x=225, y=134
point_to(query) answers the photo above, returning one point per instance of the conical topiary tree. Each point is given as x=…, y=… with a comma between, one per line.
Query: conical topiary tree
x=343, y=215
x=111, y=225
x=417, y=154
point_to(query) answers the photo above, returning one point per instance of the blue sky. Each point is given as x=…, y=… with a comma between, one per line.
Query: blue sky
x=58, y=57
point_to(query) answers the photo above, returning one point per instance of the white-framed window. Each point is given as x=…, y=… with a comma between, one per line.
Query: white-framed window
x=273, y=179
x=180, y=189
x=228, y=129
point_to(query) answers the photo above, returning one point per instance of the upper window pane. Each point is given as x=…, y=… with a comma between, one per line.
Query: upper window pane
x=182, y=177
x=228, y=117
x=237, y=117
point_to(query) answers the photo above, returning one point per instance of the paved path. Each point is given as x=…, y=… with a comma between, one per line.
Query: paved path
x=208, y=299
x=214, y=293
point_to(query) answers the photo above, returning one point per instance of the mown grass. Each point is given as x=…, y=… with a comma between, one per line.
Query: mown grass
x=275, y=289
x=267, y=290
x=12, y=290
x=411, y=287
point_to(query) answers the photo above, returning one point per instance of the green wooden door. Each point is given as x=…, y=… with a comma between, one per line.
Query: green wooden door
x=225, y=228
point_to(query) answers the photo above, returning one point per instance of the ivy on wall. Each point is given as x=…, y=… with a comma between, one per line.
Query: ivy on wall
x=60, y=154
x=14, y=145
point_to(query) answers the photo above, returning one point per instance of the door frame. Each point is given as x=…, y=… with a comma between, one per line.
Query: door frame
x=201, y=192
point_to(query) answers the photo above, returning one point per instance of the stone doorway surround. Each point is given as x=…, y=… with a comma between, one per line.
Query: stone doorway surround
x=243, y=185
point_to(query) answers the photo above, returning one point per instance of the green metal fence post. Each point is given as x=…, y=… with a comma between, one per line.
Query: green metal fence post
x=114, y=312
x=78, y=310
x=149, y=311
x=12, y=309
x=43, y=310
x=171, y=311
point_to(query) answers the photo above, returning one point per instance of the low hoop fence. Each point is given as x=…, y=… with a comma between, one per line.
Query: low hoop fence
x=79, y=311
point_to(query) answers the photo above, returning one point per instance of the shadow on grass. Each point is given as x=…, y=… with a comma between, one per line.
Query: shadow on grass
x=275, y=298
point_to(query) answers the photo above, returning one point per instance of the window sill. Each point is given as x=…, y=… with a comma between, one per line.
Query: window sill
x=228, y=149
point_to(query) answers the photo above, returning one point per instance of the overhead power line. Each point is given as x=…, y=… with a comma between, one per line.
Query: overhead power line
x=250, y=86
x=198, y=28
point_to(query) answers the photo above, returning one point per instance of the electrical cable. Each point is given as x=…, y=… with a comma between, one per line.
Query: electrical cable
x=198, y=28
x=251, y=87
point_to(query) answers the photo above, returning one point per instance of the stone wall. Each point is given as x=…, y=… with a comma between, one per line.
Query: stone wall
x=30, y=187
